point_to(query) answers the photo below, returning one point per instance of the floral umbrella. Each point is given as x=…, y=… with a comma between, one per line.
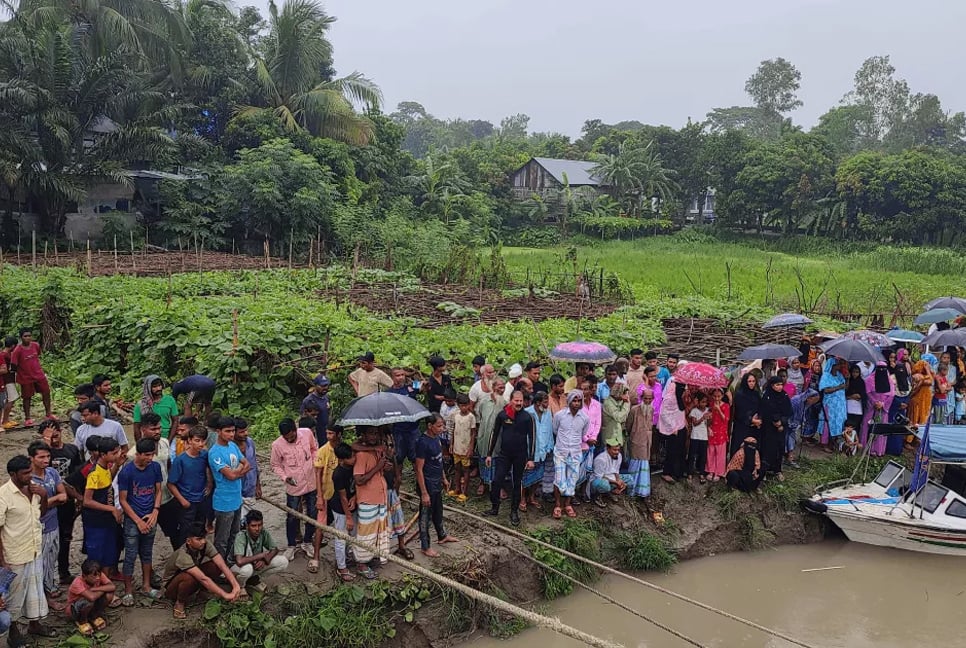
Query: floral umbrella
x=589, y=352
x=699, y=374
x=870, y=337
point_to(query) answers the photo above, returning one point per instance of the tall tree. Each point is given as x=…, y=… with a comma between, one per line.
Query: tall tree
x=883, y=99
x=774, y=86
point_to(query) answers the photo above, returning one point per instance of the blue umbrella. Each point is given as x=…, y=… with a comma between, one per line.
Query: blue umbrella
x=787, y=320
x=937, y=315
x=904, y=335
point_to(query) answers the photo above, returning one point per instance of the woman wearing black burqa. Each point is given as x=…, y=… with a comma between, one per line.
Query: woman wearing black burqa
x=744, y=412
x=744, y=469
x=775, y=411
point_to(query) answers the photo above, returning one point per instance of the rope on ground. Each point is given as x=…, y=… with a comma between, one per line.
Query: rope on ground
x=610, y=570
x=609, y=599
x=531, y=617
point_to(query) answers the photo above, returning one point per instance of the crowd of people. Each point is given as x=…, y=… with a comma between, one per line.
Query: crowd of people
x=533, y=441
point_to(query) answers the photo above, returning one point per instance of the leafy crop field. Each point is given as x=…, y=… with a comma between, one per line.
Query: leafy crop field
x=820, y=278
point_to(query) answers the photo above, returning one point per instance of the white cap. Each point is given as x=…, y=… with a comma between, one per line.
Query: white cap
x=516, y=371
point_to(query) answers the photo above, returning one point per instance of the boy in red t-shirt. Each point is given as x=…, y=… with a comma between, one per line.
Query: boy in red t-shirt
x=88, y=597
x=8, y=387
x=30, y=375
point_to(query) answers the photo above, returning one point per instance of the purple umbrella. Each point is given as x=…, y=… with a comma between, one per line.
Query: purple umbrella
x=870, y=337
x=589, y=352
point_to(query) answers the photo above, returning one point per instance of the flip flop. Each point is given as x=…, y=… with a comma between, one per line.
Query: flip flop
x=522, y=506
x=180, y=614
x=367, y=573
x=115, y=603
x=557, y=512
x=99, y=623
x=153, y=594
x=85, y=630
x=127, y=600
x=313, y=566
x=571, y=513
x=345, y=575
x=658, y=518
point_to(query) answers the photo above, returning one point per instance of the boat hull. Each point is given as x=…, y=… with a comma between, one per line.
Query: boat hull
x=899, y=534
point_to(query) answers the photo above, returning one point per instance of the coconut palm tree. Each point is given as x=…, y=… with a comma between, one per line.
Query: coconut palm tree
x=635, y=175
x=291, y=80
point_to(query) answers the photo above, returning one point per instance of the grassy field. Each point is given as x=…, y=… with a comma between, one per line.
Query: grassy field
x=825, y=279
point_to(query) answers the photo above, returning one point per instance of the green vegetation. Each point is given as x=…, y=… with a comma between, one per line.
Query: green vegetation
x=641, y=551
x=581, y=537
x=801, y=275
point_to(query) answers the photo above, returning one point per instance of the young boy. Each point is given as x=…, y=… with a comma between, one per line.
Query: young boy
x=698, y=417
x=100, y=517
x=139, y=489
x=432, y=482
x=342, y=503
x=463, y=442
x=8, y=383
x=190, y=482
x=65, y=459
x=49, y=479
x=185, y=424
x=447, y=410
x=326, y=463
x=82, y=394
x=607, y=468
x=228, y=468
x=89, y=595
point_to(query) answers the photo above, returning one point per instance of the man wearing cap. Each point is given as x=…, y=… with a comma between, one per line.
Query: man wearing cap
x=569, y=427
x=516, y=371
x=318, y=399
x=367, y=379
x=532, y=372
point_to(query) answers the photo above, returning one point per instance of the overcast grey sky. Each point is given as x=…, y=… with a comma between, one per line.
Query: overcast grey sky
x=564, y=61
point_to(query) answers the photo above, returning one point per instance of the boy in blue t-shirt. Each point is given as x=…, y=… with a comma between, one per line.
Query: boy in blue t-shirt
x=228, y=467
x=139, y=491
x=190, y=482
x=432, y=482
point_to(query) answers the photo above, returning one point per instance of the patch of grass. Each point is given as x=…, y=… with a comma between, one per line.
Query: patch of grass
x=581, y=537
x=727, y=501
x=642, y=552
x=501, y=624
x=754, y=533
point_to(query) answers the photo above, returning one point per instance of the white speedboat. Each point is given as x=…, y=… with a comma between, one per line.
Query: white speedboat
x=903, y=508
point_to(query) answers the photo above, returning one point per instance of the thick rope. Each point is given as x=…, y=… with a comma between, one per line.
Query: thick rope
x=531, y=617
x=609, y=599
x=610, y=570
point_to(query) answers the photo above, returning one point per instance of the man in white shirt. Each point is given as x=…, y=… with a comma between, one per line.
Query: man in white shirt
x=96, y=425
x=367, y=379
x=607, y=477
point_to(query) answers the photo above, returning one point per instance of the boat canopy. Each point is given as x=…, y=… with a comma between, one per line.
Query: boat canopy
x=947, y=443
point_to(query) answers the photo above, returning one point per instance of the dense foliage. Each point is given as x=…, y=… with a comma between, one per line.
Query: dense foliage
x=283, y=149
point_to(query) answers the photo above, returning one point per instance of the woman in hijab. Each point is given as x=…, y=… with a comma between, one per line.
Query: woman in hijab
x=880, y=390
x=900, y=370
x=744, y=412
x=775, y=411
x=673, y=425
x=855, y=398
x=744, y=469
x=831, y=420
x=814, y=375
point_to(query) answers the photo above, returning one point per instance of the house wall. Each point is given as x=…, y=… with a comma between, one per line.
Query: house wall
x=533, y=179
x=88, y=221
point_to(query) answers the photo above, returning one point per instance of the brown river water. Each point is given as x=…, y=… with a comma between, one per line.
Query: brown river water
x=880, y=598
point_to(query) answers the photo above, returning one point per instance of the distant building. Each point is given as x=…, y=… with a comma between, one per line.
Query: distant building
x=546, y=176
x=705, y=210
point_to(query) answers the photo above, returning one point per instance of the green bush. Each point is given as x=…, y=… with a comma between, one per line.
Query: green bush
x=581, y=537
x=642, y=552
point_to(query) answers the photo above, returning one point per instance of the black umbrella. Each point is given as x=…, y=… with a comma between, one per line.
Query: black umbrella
x=956, y=303
x=786, y=320
x=851, y=350
x=949, y=337
x=382, y=408
x=769, y=352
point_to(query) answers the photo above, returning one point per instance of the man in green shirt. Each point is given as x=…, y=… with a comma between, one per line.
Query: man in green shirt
x=196, y=565
x=153, y=399
x=256, y=555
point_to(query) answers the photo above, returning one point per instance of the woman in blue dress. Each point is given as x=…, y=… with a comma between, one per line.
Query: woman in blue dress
x=831, y=418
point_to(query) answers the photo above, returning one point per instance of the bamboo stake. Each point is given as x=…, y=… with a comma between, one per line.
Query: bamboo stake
x=33, y=248
x=45, y=252
x=88, y=257
x=268, y=263
x=70, y=242
x=291, y=245
x=115, y=255
x=134, y=262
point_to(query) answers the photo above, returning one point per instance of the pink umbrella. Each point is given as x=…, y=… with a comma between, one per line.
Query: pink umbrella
x=589, y=352
x=699, y=374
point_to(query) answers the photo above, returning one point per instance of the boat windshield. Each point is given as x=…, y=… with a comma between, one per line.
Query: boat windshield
x=889, y=474
x=930, y=497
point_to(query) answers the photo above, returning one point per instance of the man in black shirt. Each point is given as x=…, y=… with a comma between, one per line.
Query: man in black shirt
x=532, y=372
x=437, y=385
x=65, y=459
x=514, y=435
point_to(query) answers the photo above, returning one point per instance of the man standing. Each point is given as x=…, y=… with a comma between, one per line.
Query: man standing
x=558, y=397
x=404, y=434
x=635, y=374
x=21, y=538
x=65, y=459
x=481, y=388
x=139, y=487
x=228, y=467
x=437, y=385
x=153, y=399
x=532, y=372
x=569, y=427
x=318, y=398
x=30, y=375
x=190, y=482
x=8, y=383
x=252, y=482
x=514, y=435
x=169, y=516
x=96, y=425
x=256, y=555
x=610, y=379
x=581, y=369
x=43, y=475
x=102, y=394
x=514, y=375
x=367, y=379
x=293, y=460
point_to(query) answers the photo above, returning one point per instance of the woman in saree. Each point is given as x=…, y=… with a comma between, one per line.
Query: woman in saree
x=880, y=389
x=831, y=420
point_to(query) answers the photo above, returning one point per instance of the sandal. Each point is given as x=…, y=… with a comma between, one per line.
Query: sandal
x=313, y=566
x=367, y=573
x=556, y=512
x=571, y=513
x=115, y=602
x=180, y=613
x=127, y=600
x=522, y=506
x=85, y=630
x=152, y=594
x=405, y=552
x=346, y=575
x=461, y=498
x=99, y=623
